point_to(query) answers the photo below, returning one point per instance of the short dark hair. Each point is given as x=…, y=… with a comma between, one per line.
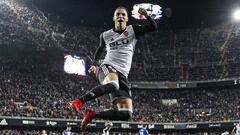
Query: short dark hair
x=122, y=7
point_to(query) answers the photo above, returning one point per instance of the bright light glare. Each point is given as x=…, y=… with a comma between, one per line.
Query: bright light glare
x=236, y=15
x=74, y=65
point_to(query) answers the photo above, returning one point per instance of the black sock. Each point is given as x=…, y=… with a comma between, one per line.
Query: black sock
x=114, y=115
x=98, y=91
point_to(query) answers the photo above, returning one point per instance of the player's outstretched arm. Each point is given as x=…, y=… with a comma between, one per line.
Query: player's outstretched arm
x=140, y=30
x=151, y=21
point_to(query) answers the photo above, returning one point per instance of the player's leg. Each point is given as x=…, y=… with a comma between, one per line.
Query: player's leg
x=121, y=98
x=124, y=104
x=109, y=85
x=123, y=113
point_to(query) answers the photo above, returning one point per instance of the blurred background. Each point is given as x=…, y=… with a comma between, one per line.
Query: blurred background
x=185, y=76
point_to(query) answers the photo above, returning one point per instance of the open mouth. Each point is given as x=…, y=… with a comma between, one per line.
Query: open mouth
x=120, y=20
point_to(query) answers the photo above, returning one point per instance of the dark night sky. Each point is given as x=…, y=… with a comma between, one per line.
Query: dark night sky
x=185, y=13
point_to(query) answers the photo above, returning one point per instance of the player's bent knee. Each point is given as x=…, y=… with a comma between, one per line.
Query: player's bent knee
x=114, y=83
x=109, y=87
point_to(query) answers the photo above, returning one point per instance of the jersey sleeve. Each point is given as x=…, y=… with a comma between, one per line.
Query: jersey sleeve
x=99, y=50
x=140, y=30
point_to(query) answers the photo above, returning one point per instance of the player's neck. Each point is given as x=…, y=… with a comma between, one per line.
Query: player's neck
x=119, y=29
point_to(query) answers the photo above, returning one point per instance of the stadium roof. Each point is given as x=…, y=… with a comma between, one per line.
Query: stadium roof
x=185, y=13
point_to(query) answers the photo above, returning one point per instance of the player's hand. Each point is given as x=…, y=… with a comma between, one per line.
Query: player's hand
x=92, y=69
x=142, y=11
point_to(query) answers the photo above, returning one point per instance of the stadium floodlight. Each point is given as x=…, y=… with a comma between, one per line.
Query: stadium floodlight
x=236, y=15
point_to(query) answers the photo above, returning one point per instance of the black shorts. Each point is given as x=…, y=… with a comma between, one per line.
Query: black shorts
x=124, y=87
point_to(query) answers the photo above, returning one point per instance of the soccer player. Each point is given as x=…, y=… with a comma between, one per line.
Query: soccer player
x=44, y=132
x=119, y=43
x=67, y=131
x=235, y=130
x=108, y=126
x=143, y=131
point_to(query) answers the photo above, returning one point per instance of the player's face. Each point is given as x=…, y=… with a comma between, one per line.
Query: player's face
x=120, y=16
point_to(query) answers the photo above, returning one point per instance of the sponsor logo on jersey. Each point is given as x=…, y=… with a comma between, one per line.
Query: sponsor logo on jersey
x=118, y=43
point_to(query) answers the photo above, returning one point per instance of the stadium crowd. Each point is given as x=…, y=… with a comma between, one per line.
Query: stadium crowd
x=33, y=84
x=176, y=55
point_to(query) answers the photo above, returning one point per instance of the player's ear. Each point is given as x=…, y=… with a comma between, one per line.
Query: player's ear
x=114, y=17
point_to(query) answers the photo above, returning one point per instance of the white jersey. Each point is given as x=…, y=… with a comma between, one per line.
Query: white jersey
x=238, y=129
x=120, y=49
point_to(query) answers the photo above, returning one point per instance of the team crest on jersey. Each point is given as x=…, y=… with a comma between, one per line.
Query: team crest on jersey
x=125, y=33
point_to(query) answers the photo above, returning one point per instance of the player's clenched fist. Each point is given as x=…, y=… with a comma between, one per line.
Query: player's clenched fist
x=92, y=69
x=142, y=11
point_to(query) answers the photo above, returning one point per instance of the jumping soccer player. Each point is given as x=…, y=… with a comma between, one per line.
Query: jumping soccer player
x=113, y=72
